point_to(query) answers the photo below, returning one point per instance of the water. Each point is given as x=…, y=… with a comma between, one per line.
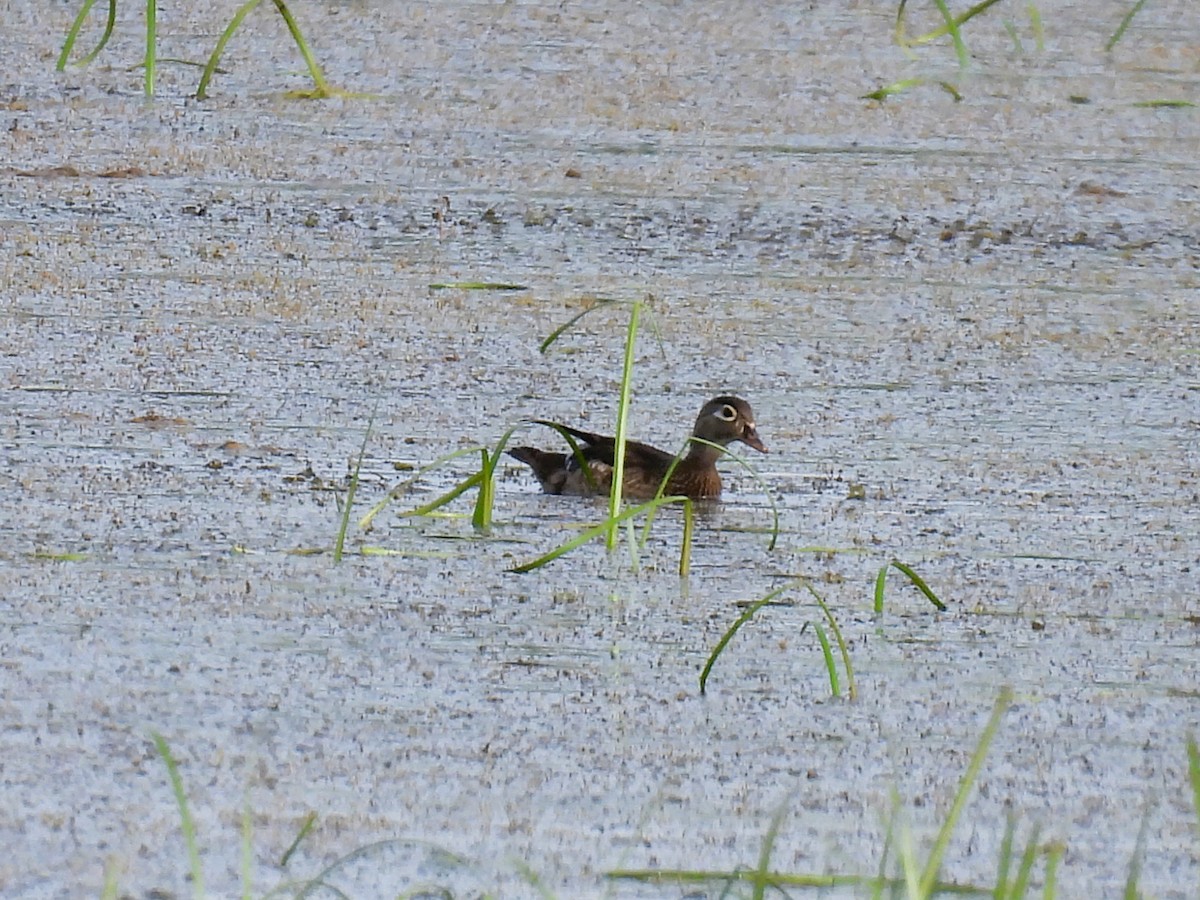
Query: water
x=977, y=317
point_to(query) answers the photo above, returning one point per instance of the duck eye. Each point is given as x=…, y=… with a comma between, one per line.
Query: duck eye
x=726, y=412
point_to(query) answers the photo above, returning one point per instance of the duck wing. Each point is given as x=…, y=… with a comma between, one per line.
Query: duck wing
x=602, y=448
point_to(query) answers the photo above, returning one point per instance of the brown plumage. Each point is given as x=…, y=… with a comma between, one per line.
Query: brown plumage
x=722, y=421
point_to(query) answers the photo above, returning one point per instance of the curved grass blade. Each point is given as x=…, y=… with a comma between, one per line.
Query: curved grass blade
x=311, y=886
x=600, y=302
x=73, y=34
x=950, y=25
x=244, y=10
x=830, y=666
x=365, y=521
x=314, y=70
x=455, y=492
x=733, y=629
x=757, y=480
x=595, y=531
x=851, y=685
x=186, y=824
x=917, y=580
x=934, y=864
x=1121, y=29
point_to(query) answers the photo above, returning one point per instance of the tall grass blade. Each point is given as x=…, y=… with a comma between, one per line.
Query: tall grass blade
x=340, y=543
x=215, y=59
x=1121, y=29
x=151, y=40
x=733, y=629
x=934, y=864
x=186, y=824
x=73, y=34
x=618, y=474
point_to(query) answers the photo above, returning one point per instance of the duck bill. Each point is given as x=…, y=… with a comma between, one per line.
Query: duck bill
x=751, y=439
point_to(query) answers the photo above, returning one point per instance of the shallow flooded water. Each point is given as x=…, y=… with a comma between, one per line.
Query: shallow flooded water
x=969, y=331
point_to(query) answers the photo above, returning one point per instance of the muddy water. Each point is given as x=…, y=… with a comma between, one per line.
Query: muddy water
x=969, y=331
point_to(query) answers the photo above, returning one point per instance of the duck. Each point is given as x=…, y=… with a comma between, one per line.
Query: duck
x=722, y=421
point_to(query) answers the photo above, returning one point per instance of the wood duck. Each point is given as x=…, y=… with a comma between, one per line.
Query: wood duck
x=722, y=421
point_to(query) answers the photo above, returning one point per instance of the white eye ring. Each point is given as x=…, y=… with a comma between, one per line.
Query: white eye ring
x=726, y=413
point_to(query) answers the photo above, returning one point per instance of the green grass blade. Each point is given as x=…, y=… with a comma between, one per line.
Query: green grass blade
x=481, y=519
x=1193, y=755
x=213, y=61
x=934, y=864
x=151, y=43
x=562, y=329
x=761, y=877
x=73, y=34
x=186, y=824
x=477, y=286
x=960, y=48
x=618, y=476
x=762, y=485
x=595, y=531
x=685, y=544
x=305, y=827
x=920, y=584
x=843, y=649
x=340, y=543
x=1120, y=32
x=455, y=492
x=1054, y=856
x=1035, y=23
x=247, y=853
x=1020, y=886
x=830, y=665
x=880, y=583
x=314, y=69
x=733, y=629
x=1004, y=863
x=365, y=522
x=892, y=89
